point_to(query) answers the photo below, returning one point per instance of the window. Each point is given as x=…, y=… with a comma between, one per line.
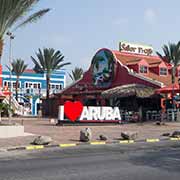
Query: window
x=56, y=86
x=143, y=69
x=39, y=85
x=163, y=71
x=5, y=83
x=13, y=84
x=34, y=85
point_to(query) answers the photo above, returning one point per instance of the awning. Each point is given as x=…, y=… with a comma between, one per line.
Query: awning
x=168, y=89
x=137, y=90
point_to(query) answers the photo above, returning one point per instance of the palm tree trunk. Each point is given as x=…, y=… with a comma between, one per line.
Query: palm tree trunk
x=47, y=92
x=47, y=85
x=17, y=83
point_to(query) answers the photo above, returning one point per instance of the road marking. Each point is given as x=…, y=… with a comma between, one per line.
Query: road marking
x=126, y=141
x=174, y=139
x=97, y=143
x=34, y=147
x=152, y=140
x=67, y=145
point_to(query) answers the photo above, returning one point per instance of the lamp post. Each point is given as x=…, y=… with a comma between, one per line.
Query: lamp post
x=11, y=37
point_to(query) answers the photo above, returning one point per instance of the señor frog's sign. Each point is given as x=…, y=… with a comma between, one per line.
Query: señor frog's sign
x=75, y=111
x=135, y=48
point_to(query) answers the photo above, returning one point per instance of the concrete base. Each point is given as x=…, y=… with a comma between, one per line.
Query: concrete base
x=11, y=131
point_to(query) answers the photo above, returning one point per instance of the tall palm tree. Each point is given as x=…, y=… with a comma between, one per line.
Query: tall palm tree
x=172, y=56
x=18, y=68
x=13, y=15
x=76, y=74
x=47, y=61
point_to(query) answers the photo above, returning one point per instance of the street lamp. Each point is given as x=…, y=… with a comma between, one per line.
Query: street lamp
x=11, y=37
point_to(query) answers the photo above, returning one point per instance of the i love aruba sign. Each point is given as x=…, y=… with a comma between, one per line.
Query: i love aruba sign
x=75, y=111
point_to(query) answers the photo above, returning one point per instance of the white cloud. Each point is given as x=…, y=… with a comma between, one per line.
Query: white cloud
x=150, y=16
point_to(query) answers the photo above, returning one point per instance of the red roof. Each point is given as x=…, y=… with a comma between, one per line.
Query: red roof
x=153, y=61
x=29, y=71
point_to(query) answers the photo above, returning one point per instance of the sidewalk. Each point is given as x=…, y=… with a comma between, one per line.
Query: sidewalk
x=70, y=134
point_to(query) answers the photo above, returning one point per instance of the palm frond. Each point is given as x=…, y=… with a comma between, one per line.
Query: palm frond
x=18, y=67
x=76, y=74
x=47, y=61
x=32, y=18
x=13, y=12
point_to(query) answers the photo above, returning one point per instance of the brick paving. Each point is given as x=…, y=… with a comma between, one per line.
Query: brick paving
x=70, y=134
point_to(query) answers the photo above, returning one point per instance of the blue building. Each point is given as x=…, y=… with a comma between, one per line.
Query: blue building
x=32, y=87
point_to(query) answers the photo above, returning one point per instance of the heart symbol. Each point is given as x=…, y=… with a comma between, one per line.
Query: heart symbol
x=73, y=110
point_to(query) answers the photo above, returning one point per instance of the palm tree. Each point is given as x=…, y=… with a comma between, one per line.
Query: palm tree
x=18, y=68
x=13, y=16
x=76, y=74
x=172, y=56
x=47, y=61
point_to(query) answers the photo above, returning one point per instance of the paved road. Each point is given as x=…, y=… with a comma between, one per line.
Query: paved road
x=126, y=162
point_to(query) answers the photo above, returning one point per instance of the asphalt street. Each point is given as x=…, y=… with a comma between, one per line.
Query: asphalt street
x=127, y=162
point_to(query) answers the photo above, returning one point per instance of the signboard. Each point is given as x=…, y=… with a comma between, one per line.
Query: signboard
x=103, y=68
x=135, y=48
x=75, y=111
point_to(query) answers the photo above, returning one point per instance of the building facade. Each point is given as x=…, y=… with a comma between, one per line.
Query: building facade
x=131, y=64
x=32, y=87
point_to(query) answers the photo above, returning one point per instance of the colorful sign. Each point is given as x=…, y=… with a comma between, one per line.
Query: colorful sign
x=135, y=48
x=75, y=111
x=103, y=68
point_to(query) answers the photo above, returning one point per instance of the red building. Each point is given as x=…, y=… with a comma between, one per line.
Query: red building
x=111, y=68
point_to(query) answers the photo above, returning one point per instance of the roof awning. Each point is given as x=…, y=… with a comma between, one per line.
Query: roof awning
x=168, y=89
x=137, y=90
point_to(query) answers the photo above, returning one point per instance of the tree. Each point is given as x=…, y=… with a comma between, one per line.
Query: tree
x=47, y=61
x=13, y=15
x=18, y=68
x=76, y=74
x=4, y=108
x=172, y=56
x=1, y=109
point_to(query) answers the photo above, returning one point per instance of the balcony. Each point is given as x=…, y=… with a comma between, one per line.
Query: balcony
x=34, y=92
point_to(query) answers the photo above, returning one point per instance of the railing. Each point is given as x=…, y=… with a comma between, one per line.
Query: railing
x=169, y=115
x=37, y=92
x=18, y=109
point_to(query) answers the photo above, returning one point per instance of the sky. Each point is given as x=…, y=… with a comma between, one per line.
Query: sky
x=78, y=28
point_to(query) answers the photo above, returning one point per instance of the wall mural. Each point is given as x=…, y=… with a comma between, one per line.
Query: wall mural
x=103, y=68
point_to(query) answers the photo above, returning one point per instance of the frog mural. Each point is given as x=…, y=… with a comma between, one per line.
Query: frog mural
x=103, y=68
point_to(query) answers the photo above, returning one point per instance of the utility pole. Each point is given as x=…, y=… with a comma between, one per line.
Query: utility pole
x=11, y=37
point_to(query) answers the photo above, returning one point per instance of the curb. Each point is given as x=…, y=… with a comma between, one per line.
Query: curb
x=93, y=143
